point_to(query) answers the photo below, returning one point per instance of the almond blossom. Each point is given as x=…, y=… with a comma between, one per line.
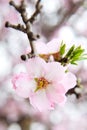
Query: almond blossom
x=46, y=48
x=45, y=84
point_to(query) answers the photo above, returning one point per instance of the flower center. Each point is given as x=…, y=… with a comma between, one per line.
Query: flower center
x=41, y=83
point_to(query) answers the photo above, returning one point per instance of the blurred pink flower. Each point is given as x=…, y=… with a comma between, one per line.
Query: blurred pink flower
x=3, y=125
x=45, y=84
x=50, y=47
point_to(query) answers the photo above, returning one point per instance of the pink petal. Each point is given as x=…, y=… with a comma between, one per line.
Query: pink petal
x=69, y=81
x=53, y=46
x=41, y=48
x=35, y=67
x=59, y=88
x=39, y=100
x=55, y=71
x=22, y=84
x=54, y=96
x=50, y=47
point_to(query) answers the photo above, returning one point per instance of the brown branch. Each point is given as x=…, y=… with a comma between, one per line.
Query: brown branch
x=73, y=90
x=17, y=27
x=37, y=11
x=67, y=14
x=14, y=5
x=27, y=22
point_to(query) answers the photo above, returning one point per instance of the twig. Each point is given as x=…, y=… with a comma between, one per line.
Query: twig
x=73, y=90
x=17, y=27
x=26, y=28
x=37, y=11
x=67, y=14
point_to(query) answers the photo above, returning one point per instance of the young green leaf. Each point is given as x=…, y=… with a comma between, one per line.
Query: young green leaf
x=62, y=48
x=70, y=52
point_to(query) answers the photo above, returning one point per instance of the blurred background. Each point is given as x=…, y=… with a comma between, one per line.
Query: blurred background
x=62, y=19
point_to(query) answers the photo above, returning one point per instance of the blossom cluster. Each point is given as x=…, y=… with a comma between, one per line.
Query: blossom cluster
x=46, y=82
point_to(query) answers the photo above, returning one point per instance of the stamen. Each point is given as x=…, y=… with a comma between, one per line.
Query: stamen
x=41, y=83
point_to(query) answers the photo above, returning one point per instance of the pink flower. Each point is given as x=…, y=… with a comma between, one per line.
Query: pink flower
x=46, y=48
x=52, y=46
x=45, y=84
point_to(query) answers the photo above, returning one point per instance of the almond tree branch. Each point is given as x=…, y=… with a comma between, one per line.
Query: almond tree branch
x=67, y=14
x=26, y=28
x=37, y=11
x=17, y=27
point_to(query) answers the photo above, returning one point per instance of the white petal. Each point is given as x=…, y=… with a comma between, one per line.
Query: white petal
x=55, y=71
x=41, y=48
x=40, y=101
x=23, y=84
x=55, y=96
x=69, y=81
x=53, y=46
x=35, y=67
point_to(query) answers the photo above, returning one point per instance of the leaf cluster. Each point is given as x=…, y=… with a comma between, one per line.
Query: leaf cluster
x=73, y=55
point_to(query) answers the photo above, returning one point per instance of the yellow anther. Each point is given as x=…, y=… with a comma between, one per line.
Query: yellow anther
x=41, y=83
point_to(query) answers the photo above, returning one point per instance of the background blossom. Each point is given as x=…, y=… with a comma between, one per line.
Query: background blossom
x=62, y=19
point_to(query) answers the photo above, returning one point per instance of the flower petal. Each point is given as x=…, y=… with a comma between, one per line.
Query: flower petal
x=22, y=84
x=54, y=96
x=35, y=67
x=69, y=81
x=50, y=47
x=39, y=100
x=59, y=88
x=41, y=48
x=55, y=71
x=53, y=46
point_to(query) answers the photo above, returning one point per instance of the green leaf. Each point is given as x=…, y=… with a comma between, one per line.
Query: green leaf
x=74, y=63
x=62, y=48
x=78, y=59
x=77, y=49
x=77, y=53
x=70, y=52
x=82, y=58
x=75, y=57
